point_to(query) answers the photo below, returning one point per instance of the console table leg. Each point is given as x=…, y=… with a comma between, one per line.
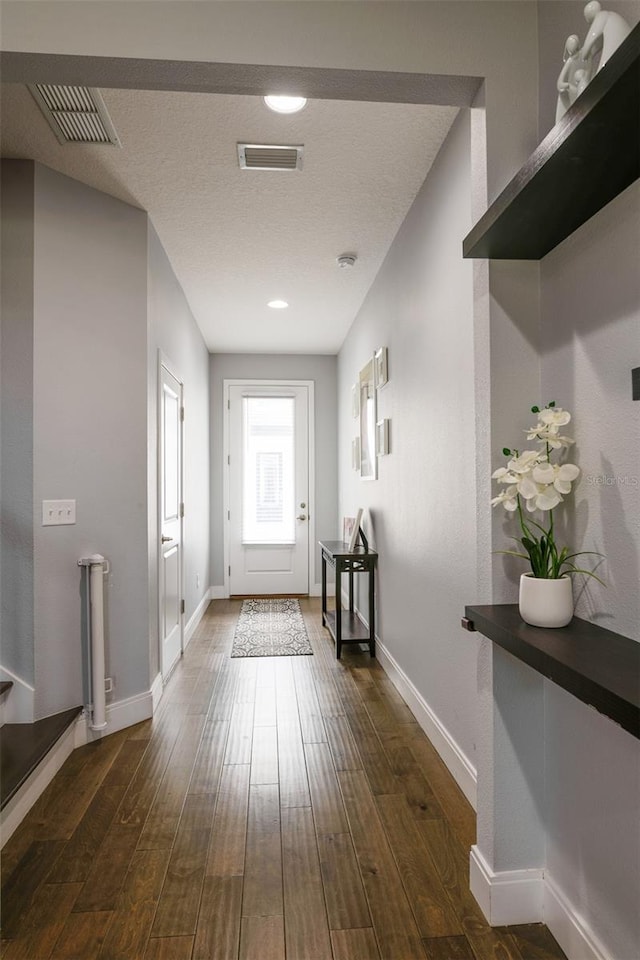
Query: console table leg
x=338, y=611
x=372, y=615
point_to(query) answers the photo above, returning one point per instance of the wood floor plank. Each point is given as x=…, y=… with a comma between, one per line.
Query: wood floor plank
x=430, y=904
x=229, y=831
x=306, y=927
x=169, y=948
x=374, y=759
x=177, y=911
x=161, y=824
x=240, y=734
x=82, y=936
x=346, y=902
x=343, y=747
x=292, y=768
x=355, y=944
x=395, y=927
x=449, y=948
x=43, y=922
x=326, y=799
x=108, y=872
x=452, y=866
x=311, y=722
x=417, y=790
x=218, y=931
x=208, y=766
x=78, y=855
x=264, y=755
x=21, y=886
x=130, y=925
x=262, y=938
x=64, y=815
x=536, y=942
x=453, y=802
x=262, y=896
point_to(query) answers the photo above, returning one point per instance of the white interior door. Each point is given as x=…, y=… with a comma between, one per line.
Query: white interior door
x=171, y=511
x=268, y=517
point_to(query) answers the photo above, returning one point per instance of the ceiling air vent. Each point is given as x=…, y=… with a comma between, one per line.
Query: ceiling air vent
x=75, y=114
x=265, y=156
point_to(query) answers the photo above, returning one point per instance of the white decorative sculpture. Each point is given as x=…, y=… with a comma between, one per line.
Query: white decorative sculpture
x=606, y=33
x=574, y=76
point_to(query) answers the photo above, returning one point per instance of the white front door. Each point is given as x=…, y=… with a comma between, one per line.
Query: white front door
x=268, y=517
x=171, y=510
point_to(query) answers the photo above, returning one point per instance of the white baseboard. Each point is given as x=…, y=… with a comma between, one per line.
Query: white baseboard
x=457, y=762
x=507, y=896
x=315, y=590
x=195, y=618
x=17, y=706
x=121, y=714
x=18, y=807
x=218, y=593
x=569, y=928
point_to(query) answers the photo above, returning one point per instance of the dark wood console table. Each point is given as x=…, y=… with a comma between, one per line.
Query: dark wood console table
x=344, y=625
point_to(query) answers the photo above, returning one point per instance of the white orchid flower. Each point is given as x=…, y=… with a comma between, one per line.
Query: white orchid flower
x=548, y=499
x=548, y=433
x=525, y=461
x=508, y=497
x=528, y=488
x=554, y=416
x=561, y=477
x=502, y=475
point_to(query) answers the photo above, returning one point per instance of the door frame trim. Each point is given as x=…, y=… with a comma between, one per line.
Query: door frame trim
x=164, y=361
x=311, y=433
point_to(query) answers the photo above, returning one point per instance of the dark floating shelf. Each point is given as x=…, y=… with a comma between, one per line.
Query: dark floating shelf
x=598, y=666
x=586, y=160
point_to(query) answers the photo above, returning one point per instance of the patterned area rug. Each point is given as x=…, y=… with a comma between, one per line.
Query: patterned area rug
x=271, y=628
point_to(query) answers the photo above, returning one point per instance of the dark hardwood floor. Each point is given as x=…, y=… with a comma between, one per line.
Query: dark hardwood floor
x=273, y=808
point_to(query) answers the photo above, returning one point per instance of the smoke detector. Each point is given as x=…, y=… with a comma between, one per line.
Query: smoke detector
x=346, y=261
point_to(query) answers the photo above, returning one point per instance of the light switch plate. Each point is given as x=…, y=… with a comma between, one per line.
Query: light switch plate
x=57, y=512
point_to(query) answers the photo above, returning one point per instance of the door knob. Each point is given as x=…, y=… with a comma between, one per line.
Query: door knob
x=166, y=539
x=301, y=517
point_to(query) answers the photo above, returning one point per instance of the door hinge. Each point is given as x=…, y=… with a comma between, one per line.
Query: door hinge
x=182, y=413
x=182, y=509
x=182, y=606
x=229, y=570
x=228, y=514
x=229, y=459
x=228, y=404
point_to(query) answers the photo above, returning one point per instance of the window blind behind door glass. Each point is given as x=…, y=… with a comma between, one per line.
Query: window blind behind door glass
x=268, y=504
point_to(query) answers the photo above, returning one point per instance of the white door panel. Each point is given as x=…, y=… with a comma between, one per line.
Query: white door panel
x=170, y=499
x=268, y=522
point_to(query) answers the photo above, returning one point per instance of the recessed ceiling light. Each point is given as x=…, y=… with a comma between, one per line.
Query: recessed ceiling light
x=277, y=304
x=285, y=104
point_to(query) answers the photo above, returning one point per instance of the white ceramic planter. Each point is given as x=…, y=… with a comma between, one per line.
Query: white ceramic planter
x=546, y=603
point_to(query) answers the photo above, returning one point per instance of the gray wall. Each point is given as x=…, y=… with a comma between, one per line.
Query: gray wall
x=421, y=511
x=16, y=433
x=173, y=330
x=320, y=369
x=590, y=342
x=90, y=430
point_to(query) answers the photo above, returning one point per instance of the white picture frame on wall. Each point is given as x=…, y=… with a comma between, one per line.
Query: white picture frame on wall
x=380, y=361
x=382, y=438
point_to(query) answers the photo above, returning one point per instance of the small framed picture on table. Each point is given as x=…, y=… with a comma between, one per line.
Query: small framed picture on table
x=348, y=524
x=355, y=531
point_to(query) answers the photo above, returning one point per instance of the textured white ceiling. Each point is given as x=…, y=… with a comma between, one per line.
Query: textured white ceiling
x=239, y=238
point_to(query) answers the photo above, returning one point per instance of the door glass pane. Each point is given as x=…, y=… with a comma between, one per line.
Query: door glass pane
x=268, y=507
x=171, y=464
